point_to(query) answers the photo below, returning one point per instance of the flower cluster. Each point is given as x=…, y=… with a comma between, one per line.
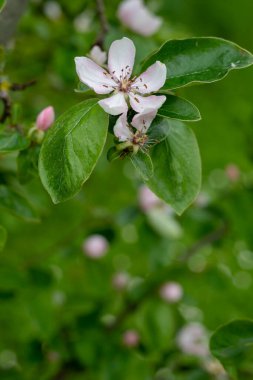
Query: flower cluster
x=125, y=92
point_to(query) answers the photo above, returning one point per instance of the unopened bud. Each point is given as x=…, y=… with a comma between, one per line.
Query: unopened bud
x=45, y=118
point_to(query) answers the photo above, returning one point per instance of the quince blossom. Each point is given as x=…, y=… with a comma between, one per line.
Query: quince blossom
x=135, y=133
x=137, y=17
x=118, y=81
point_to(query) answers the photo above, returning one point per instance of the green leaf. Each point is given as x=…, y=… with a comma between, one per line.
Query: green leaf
x=2, y=5
x=231, y=342
x=17, y=204
x=179, y=108
x=199, y=60
x=143, y=164
x=177, y=167
x=71, y=149
x=3, y=237
x=27, y=163
x=158, y=130
x=12, y=141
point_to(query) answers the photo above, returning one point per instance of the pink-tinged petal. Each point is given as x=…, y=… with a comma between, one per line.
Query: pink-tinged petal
x=45, y=118
x=94, y=76
x=115, y=105
x=146, y=104
x=98, y=55
x=136, y=16
x=121, y=58
x=152, y=79
x=142, y=121
x=121, y=129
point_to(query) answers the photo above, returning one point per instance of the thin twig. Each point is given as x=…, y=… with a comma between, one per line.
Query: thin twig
x=22, y=86
x=103, y=23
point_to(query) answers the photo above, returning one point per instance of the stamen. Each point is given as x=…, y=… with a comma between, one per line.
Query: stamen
x=137, y=100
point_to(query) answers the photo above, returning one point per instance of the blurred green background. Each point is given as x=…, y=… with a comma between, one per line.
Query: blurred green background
x=62, y=317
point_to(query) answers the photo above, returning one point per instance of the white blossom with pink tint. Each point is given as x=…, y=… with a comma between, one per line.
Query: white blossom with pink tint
x=147, y=199
x=98, y=55
x=193, y=340
x=131, y=338
x=171, y=292
x=118, y=83
x=136, y=132
x=45, y=118
x=137, y=17
x=95, y=246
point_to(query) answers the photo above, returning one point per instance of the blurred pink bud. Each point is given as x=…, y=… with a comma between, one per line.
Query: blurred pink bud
x=131, y=338
x=147, y=199
x=136, y=16
x=232, y=172
x=192, y=339
x=120, y=280
x=45, y=118
x=95, y=246
x=98, y=55
x=171, y=292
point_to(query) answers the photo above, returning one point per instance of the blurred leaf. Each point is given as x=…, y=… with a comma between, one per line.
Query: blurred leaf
x=3, y=237
x=179, y=108
x=177, y=168
x=199, y=60
x=231, y=343
x=71, y=149
x=12, y=141
x=27, y=162
x=2, y=5
x=143, y=164
x=17, y=204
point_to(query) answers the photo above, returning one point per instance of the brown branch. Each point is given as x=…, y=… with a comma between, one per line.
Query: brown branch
x=22, y=86
x=103, y=23
x=7, y=106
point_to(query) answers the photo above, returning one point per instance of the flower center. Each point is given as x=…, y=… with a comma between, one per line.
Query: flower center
x=139, y=139
x=125, y=85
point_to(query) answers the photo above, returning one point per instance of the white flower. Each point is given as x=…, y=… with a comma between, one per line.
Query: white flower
x=118, y=83
x=136, y=132
x=136, y=16
x=192, y=339
x=98, y=55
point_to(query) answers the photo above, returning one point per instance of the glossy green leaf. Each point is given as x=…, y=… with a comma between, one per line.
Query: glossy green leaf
x=71, y=149
x=232, y=341
x=199, y=60
x=177, y=167
x=179, y=108
x=143, y=164
x=17, y=204
x=3, y=237
x=12, y=141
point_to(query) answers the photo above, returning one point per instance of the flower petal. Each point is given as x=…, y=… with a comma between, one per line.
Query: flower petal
x=94, y=76
x=98, y=55
x=121, y=58
x=142, y=121
x=135, y=15
x=146, y=104
x=121, y=129
x=115, y=105
x=152, y=79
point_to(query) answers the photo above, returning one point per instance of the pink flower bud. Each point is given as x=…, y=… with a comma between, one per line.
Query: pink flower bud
x=137, y=17
x=120, y=281
x=95, y=246
x=171, y=292
x=131, y=338
x=147, y=199
x=232, y=172
x=45, y=118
